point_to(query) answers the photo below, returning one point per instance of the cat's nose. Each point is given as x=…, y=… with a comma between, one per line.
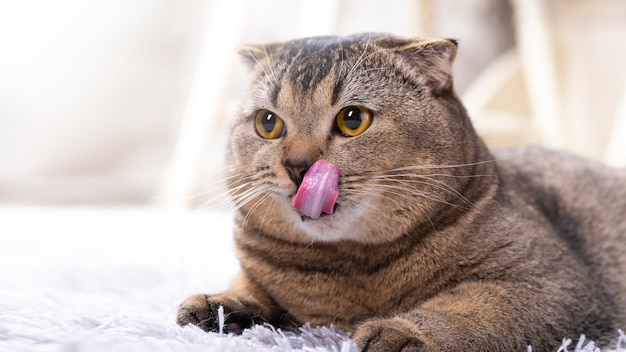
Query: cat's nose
x=297, y=168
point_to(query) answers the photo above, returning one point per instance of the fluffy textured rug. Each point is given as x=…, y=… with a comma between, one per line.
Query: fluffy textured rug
x=86, y=279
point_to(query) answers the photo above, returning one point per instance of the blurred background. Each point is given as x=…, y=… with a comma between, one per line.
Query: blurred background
x=128, y=102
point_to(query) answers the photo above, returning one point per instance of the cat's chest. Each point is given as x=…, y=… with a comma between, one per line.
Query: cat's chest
x=342, y=292
x=323, y=298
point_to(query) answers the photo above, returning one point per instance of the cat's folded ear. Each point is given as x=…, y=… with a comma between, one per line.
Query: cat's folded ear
x=432, y=60
x=253, y=55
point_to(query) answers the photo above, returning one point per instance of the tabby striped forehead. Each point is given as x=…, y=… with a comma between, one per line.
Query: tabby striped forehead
x=311, y=61
x=307, y=62
x=301, y=66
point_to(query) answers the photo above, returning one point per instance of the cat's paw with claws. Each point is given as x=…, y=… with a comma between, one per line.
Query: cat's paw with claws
x=388, y=335
x=203, y=311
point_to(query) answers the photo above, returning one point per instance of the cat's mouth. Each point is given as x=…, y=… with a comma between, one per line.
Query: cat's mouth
x=304, y=217
x=318, y=192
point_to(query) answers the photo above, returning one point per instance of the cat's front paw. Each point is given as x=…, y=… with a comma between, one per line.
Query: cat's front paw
x=202, y=311
x=388, y=335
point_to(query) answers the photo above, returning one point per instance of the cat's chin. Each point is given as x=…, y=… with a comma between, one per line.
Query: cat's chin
x=322, y=215
x=329, y=227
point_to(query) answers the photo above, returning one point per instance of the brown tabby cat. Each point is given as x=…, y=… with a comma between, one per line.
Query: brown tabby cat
x=367, y=200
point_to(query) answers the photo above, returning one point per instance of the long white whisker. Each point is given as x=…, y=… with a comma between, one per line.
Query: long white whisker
x=225, y=195
x=255, y=207
x=437, y=175
x=426, y=167
x=404, y=192
x=266, y=209
x=370, y=194
x=258, y=63
x=376, y=194
x=236, y=201
x=247, y=195
x=431, y=182
x=367, y=192
x=444, y=187
x=271, y=64
x=221, y=185
x=360, y=59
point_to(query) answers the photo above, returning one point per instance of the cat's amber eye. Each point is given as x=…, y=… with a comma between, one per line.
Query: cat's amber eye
x=269, y=125
x=353, y=120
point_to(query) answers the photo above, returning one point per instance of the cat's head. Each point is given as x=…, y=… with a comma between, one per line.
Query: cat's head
x=379, y=107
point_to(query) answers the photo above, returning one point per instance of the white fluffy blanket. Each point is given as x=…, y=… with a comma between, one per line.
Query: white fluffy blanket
x=87, y=279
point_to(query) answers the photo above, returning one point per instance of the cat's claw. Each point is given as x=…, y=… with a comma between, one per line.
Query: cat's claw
x=204, y=312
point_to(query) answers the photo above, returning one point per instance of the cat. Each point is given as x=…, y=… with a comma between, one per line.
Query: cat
x=367, y=200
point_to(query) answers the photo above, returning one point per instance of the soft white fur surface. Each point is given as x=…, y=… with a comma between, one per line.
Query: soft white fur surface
x=93, y=279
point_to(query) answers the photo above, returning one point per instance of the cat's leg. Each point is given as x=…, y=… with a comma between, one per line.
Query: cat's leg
x=472, y=317
x=244, y=303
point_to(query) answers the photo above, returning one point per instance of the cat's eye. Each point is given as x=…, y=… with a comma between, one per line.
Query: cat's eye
x=269, y=125
x=351, y=121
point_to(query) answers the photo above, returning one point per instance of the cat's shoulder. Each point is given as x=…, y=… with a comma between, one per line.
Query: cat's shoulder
x=542, y=168
x=536, y=159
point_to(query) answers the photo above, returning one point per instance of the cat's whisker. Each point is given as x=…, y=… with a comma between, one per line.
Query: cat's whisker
x=271, y=64
x=433, y=183
x=369, y=193
x=215, y=178
x=232, y=202
x=402, y=176
x=265, y=83
x=220, y=184
x=407, y=192
x=267, y=76
x=239, y=199
x=444, y=187
x=366, y=192
x=252, y=193
x=256, y=206
x=218, y=201
x=371, y=206
x=267, y=208
x=359, y=60
x=362, y=59
x=226, y=190
x=226, y=202
x=439, y=175
x=431, y=166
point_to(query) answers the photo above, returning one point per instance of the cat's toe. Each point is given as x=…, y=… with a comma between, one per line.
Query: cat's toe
x=388, y=335
x=200, y=311
x=203, y=311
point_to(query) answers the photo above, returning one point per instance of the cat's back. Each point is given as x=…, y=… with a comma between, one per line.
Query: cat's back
x=585, y=201
x=553, y=167
x=596, y=191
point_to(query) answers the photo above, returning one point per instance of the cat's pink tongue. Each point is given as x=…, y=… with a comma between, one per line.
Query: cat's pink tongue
x=318, y=191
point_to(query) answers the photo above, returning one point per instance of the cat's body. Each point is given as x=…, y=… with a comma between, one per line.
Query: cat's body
x=434, y=243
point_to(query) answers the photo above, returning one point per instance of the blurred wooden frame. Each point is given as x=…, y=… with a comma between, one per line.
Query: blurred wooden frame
x=528, y=74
